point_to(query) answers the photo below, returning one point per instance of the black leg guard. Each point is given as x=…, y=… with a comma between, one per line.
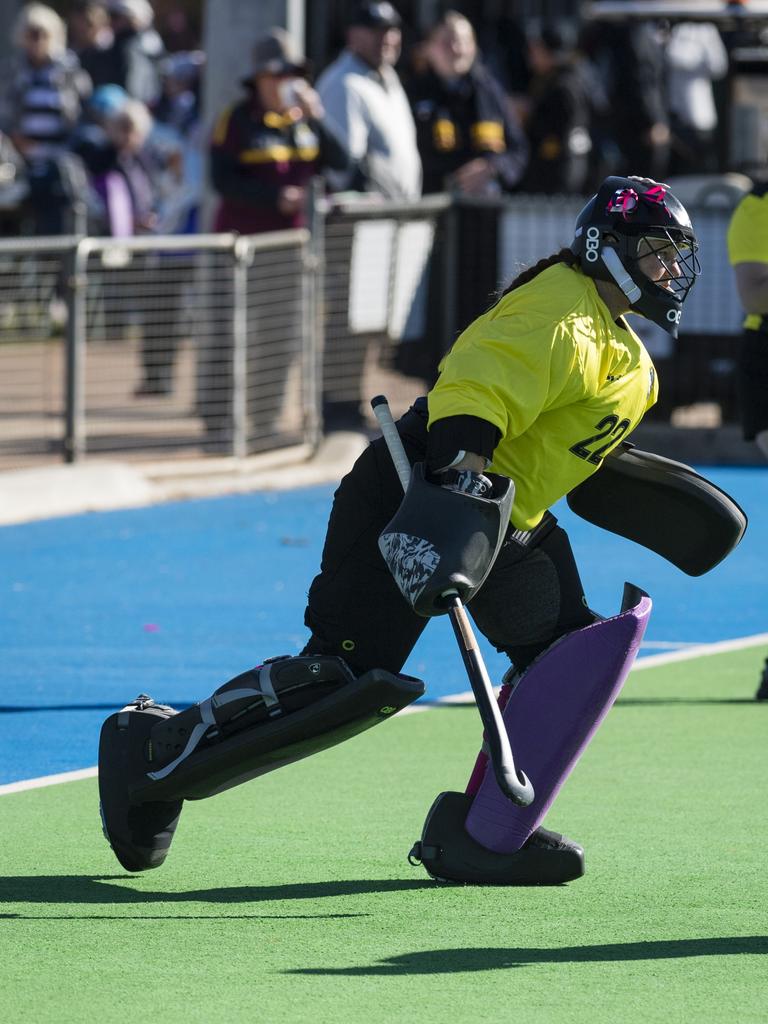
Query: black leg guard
x=151, y=757
x=139, y=834
x=450, y=854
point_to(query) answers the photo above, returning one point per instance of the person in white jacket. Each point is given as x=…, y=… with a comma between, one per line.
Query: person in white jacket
x=367, y=106
x=696, y=57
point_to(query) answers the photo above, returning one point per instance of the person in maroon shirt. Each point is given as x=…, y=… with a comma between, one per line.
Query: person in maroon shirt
x=266, y=148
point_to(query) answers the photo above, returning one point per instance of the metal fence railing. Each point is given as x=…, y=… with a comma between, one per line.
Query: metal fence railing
x=33, y=289
x=201, y=343
x=156, y=346
x=189, y=345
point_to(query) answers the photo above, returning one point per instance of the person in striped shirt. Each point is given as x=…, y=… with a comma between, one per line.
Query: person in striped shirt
x=45, y=88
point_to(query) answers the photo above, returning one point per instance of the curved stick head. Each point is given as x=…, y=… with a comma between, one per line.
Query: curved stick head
x=514, y=785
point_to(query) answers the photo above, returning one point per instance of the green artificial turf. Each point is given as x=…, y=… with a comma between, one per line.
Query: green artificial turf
x=290, y=898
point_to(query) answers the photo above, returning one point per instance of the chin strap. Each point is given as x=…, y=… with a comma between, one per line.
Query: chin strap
x=620, y=274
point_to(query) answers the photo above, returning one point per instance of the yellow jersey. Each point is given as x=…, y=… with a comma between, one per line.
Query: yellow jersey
x=560, y=379
x=748, y=238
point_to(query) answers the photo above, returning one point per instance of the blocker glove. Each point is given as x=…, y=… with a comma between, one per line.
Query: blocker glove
x=445, y=536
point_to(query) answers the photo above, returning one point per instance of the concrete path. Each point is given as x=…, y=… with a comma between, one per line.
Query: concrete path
x=60, y=490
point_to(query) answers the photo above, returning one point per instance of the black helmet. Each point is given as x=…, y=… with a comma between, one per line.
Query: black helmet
x=627, y=222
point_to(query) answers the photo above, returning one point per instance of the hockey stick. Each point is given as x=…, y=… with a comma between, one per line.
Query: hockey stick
x=512, y=783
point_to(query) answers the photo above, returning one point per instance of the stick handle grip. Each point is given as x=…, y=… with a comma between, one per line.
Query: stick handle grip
x=389, y=432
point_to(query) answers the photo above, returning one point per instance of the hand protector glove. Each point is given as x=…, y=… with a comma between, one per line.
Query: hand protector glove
x=445, y=537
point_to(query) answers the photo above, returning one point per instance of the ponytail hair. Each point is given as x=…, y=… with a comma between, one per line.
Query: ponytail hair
x=564, y=256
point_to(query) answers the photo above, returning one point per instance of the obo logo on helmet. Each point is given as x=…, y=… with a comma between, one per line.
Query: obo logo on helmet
x=592, y=244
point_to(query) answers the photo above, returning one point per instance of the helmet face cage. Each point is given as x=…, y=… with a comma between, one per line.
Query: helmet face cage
x=652, y=245
x=668, y=259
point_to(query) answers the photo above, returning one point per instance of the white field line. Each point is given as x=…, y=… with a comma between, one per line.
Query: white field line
x=688, y=652
x=47, y=780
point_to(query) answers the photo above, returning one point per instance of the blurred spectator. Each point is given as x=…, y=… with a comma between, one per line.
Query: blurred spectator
x=131, y=60
x=629, y=57
x=695, y=56
x=42, y=100
x=90, y=37
x=365, y=101
x=92, y=144
x=138, y=171
x=468, y=138
x=179, y=103
x=13, y=187
x=741, y=31
x=504, y=44
x=154, y=288
x=177, y=140
x=125, y=182
x=265, y=152
x=558, y=120
x=178, y=35
x=266, y=149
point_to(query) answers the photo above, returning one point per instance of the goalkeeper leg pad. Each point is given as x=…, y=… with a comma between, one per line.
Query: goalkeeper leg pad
x=140, y=834
x=272, y=715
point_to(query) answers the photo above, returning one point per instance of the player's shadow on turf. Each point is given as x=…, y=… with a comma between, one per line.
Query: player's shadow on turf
x=640, y=702
x=631, y=702
x=448, y=961
x=97, y=889
x=177, y=917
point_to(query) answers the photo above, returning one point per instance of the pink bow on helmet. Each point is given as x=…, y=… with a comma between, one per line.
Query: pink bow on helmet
x=624, y=202
x=656, y=194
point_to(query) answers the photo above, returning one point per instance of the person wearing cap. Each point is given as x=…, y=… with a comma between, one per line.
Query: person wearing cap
x=90, y=140
x=365, y=100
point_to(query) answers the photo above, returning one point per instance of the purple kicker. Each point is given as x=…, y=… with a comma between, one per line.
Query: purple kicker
x=551, y=716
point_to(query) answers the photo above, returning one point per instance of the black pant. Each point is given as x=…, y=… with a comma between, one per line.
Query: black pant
x=163, y=283
x=753, y=383
x=532, y=596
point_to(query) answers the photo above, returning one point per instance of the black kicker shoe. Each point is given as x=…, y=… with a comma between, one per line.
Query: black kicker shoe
x=140, y=834
x=762, y=690
x=450, y=854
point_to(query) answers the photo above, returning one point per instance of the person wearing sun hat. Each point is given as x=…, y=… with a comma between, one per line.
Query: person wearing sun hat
x=264, y=152
x=266, y=148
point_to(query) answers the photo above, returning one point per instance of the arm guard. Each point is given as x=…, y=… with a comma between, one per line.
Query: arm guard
x=451, y=437
x=664, y=506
